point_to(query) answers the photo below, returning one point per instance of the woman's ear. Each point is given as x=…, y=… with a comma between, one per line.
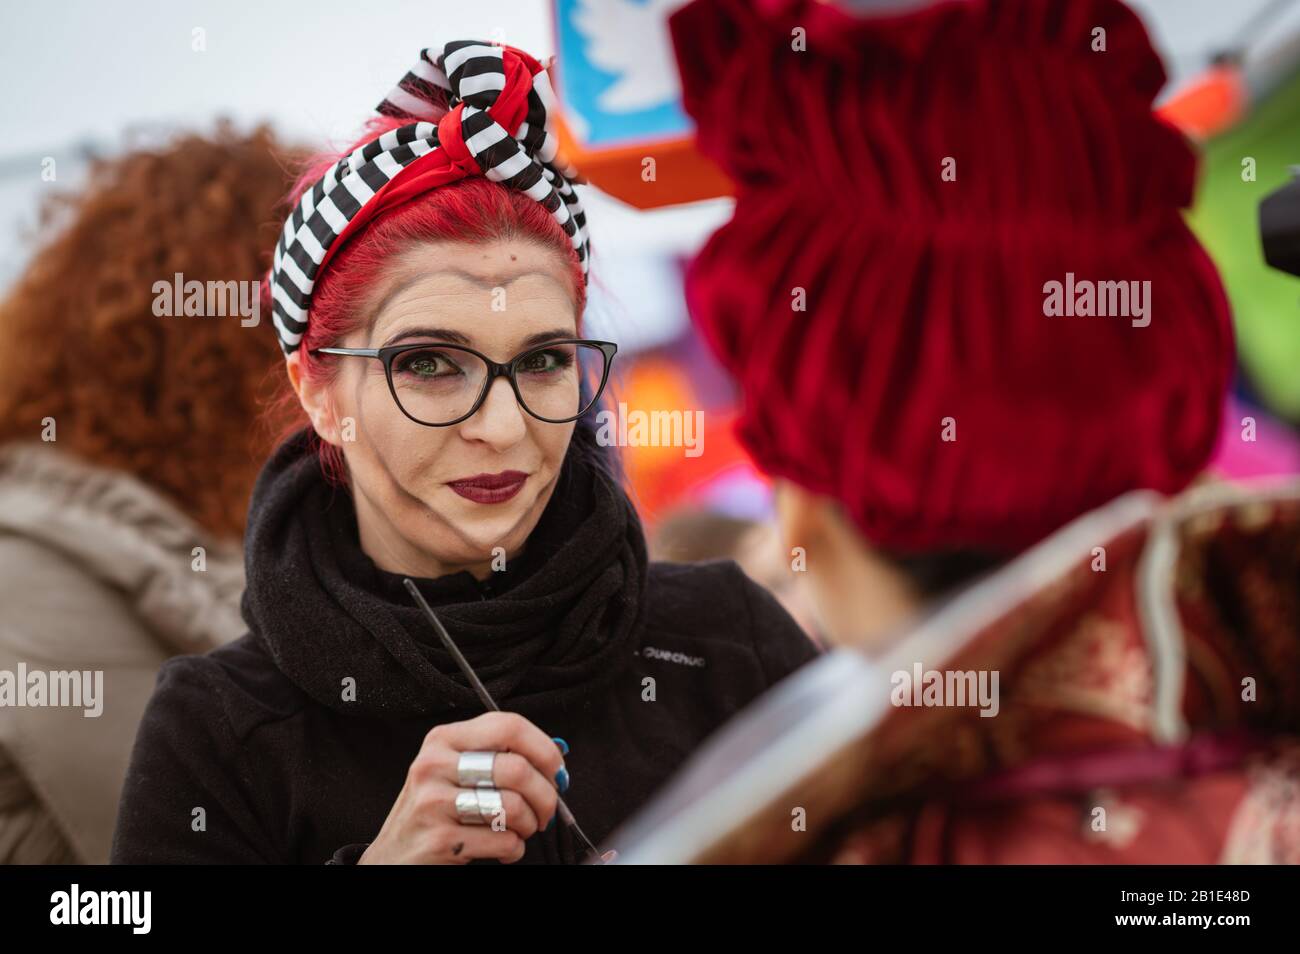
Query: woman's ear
x=802, y=516
x=315, y=400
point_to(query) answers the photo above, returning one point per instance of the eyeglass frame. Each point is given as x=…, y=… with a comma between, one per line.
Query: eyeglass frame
x=496, y=369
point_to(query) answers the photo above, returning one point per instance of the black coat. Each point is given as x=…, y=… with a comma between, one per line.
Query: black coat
x=295, y=739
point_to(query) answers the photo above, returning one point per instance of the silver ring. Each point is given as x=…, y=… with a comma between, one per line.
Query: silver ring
x=469, y=810
x=474, y=769
x=490, y=804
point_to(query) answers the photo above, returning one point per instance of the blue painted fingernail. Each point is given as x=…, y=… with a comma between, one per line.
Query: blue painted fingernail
x=564, y=746
x=551, y=824
x=562, y=779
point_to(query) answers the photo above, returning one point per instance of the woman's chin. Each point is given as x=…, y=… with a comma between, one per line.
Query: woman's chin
x=483, y=527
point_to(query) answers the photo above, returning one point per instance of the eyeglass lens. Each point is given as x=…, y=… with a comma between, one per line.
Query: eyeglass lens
x=439, y=384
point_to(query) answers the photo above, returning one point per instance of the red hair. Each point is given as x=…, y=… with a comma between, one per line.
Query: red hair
x=474, y=210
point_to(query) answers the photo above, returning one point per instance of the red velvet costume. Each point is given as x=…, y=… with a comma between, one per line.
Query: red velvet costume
x=909, y=188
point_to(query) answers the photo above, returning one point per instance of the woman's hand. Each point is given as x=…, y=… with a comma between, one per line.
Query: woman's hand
x=423, y=827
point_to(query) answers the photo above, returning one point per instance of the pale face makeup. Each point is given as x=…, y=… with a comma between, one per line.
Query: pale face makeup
x=415, y=514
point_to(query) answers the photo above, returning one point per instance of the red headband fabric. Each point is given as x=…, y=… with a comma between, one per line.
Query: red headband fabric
x=924, y=296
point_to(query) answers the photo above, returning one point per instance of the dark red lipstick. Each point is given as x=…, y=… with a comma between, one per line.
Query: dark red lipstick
x=490, y=488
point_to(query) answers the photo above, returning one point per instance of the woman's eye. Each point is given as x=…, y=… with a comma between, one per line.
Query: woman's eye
x=543, y=361
x=428, y=364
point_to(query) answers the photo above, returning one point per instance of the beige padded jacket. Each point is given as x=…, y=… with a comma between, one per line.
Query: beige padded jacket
x=98, y=574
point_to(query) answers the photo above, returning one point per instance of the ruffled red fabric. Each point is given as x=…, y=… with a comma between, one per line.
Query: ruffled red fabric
x=925, y=297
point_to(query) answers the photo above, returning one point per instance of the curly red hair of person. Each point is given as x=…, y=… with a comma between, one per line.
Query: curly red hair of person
x=178, y=402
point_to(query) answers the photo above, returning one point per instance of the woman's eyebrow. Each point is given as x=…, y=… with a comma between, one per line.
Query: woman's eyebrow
x=456, y=337
x=551, y=335
x=442, y=334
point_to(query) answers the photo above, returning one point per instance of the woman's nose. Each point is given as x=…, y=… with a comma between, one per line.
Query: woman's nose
x=500, y=420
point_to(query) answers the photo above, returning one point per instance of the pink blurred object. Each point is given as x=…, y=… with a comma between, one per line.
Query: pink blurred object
x=738, y=491
x=1275, y=449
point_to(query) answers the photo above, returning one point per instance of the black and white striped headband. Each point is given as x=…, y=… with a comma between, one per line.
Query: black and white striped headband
x=479, y=109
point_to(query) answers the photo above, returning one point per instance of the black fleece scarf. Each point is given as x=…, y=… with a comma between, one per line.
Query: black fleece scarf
x=561, y=619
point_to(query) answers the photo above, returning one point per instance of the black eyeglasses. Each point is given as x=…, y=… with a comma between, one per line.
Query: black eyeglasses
x=437, y=384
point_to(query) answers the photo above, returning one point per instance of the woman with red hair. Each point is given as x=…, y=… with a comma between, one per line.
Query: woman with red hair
x=428, y=294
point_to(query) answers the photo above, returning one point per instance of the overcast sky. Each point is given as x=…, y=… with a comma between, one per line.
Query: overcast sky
x=82, y=71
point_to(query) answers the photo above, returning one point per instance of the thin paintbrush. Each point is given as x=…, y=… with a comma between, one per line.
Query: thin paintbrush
x=487, y=699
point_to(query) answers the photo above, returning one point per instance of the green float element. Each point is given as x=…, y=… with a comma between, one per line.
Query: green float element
x=1225, y=217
